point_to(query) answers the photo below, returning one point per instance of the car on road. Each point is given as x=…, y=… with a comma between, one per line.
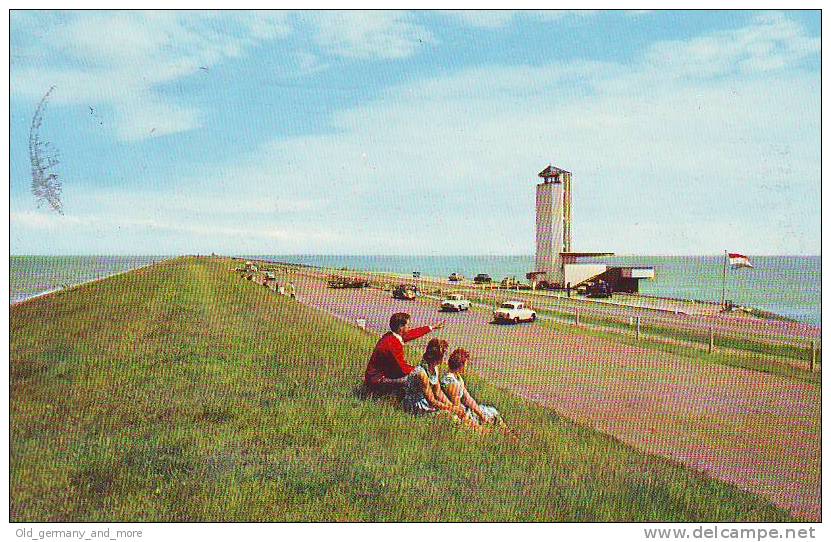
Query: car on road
x=514, y=312
x=482, y=278
x=455, y=277
x=335, y=281
x=509, y=283
x=455, y=302
x=600, y=288
x=405, y=292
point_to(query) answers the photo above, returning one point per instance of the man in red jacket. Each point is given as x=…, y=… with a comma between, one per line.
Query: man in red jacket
x=387, y=368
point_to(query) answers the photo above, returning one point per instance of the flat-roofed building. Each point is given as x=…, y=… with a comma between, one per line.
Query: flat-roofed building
x=556, y=265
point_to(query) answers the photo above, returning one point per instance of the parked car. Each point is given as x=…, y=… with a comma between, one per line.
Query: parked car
x=455, y=277
x=514, y=311
x=545, y=285
x=509, y=283
x=335, y=281
x=358, y=282
x=270, y=276
x=455, y=302
x=482, y=278
x=405, y=292
x=600, y=288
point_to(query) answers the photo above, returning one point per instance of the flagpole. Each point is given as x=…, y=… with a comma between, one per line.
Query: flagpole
x=724, y=282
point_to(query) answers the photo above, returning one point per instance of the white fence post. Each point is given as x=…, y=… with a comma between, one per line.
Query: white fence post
x=813, y=356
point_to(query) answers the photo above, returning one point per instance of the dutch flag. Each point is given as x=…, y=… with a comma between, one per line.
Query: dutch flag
x=739, y=260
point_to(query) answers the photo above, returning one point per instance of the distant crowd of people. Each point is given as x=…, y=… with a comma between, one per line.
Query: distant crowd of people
x=425, y=391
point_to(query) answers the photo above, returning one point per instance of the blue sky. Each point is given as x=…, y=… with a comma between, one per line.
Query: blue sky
x=418, y=132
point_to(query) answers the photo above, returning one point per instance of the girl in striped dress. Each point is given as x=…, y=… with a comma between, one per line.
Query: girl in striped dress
x=454, y=388
x=422, y=392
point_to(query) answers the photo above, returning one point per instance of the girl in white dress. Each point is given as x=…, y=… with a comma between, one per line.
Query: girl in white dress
x=454, y=388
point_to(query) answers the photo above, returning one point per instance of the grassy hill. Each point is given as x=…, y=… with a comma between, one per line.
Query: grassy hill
x=182, y=393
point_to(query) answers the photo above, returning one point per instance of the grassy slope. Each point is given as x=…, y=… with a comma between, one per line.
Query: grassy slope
x=182, y=393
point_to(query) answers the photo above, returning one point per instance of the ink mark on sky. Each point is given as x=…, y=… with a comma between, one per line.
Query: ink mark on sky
x=45, y=183
x=95, y=116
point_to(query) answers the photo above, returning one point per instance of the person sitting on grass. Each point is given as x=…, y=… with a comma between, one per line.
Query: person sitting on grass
x=454, y=388
x=422, y=392
x=387, y=369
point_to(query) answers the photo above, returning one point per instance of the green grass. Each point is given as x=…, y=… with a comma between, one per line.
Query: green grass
x=742, y=347
x=729, y=359
x=182, y=393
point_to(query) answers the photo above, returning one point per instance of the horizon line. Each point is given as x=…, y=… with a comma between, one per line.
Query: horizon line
x=391, y=255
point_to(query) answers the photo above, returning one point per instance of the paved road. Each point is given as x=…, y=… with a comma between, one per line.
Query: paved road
x=758, y=431
x=677, y=314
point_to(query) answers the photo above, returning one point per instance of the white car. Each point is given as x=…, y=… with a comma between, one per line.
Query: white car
x=455, y=302
x=514, y=311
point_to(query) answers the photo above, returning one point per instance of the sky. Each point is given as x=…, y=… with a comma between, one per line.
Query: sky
x=390, y=132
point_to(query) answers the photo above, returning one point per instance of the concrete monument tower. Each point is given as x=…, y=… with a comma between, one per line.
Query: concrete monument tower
x=553, y=223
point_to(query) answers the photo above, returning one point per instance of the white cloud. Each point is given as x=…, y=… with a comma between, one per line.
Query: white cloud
x=484, y=18
x=309, y=63
x=121, y=58
x=247, y=199
x=494, y=19
x=219, y=234
x=661, y=163
x=368, y=34
x=666, y=159
x=772, y=42
x=553, y=15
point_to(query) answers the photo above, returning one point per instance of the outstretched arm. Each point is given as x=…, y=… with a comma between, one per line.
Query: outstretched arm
x=413, y=334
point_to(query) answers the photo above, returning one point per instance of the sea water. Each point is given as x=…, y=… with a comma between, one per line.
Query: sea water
x=30, y=276
x=786, y=285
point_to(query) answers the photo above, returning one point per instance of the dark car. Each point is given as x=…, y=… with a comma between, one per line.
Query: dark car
x=405, y=291
x=335, y=281
x=482, y=278
x=599, y=289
